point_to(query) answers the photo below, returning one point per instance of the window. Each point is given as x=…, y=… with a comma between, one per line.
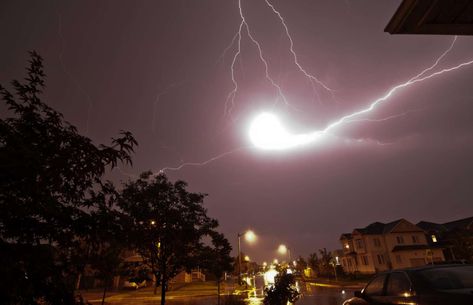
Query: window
x=434, y=238
x=398, y=284
x=377, y=242
x=375, y=287
x=415, y=239
x=380, y=259
x=400, y=239
x=364, y=259
x=359, y=244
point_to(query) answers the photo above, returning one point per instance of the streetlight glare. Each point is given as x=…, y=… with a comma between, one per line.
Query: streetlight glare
x=247, y=258
x=250, y=236
x=282, y=249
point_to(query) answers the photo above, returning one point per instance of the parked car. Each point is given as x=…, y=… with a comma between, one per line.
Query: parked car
x=427, y=285
x=134, y=284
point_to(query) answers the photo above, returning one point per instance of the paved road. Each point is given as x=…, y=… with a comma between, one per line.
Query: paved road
x=205, y=294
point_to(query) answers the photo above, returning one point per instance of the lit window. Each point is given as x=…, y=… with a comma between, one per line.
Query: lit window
x=434, y=238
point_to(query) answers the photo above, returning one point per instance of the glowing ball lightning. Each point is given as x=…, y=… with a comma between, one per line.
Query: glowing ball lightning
x=267, y=132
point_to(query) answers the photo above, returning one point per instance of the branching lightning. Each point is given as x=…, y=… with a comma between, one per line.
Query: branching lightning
x=158, y=98
x=391, y=117
x=200, y=164
x=393, y=90
x=291, y=49
x=231, y=96
x=267, y=132
x=244, y=26
x=284, y=139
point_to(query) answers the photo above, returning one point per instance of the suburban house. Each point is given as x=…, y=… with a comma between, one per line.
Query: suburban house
x=385, y=246
x=456, y=237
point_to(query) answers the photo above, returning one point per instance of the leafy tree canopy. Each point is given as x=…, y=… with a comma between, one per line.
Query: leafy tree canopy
x=168, y=224
x=51, y=185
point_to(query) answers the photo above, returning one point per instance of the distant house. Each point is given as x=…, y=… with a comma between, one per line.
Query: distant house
x=385, y=246
x=456, y=237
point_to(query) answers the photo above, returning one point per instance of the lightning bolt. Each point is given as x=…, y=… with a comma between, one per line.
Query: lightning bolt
x=158, y=98
x=311, y=77
x=230, y=101
x=200, y=164
x=435, y=64
x=422, y=76
x=391, y=92
x=394, y=116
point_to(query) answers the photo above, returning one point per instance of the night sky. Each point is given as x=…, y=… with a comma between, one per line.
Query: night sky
x=160, y=70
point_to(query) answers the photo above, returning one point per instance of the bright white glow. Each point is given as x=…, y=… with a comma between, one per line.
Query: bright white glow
x=269, y=277
x=250, y=236
x=267, y=132
x=282, y=249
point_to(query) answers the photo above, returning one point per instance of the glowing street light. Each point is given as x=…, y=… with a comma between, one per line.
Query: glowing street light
x=250, y=237
x=247, y=258
x=284, y=250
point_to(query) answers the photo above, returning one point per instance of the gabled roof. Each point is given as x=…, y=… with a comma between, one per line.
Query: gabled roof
x=462, y=224
x=431, y=226
x=374, y=228
x=379, y=228
x=346, y=236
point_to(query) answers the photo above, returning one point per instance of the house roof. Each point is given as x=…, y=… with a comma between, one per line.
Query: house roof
x=346, y=236
x=461, y=224
x=379, y=228
x=374, y=228
x=431, y=226
x=447, y=17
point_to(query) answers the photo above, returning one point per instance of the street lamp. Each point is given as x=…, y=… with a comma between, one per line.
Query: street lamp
x=250, y=237
x=283, y=249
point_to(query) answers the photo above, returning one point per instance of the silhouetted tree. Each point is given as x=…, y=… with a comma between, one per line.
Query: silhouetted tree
x=462, y=244
x=325, y=263
x=168, y=224
x=283, y=291
x=107, y=238
x=313, y=263
x=217, y=260
x=48, y=172
x=301, y=264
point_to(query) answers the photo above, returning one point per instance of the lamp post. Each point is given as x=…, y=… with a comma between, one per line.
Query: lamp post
x=250, y=236
x=283, y=249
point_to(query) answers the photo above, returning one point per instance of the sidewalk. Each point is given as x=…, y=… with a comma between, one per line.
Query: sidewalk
x=146, y=295
x=348, y=284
